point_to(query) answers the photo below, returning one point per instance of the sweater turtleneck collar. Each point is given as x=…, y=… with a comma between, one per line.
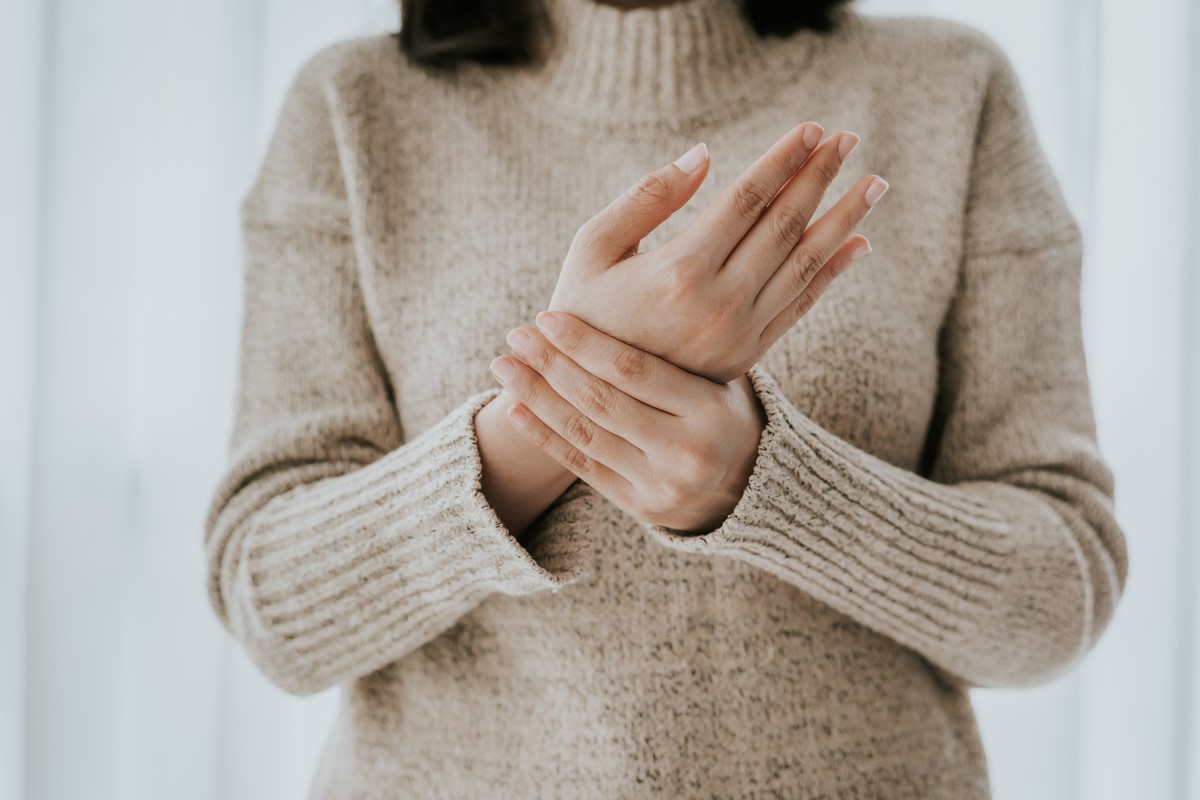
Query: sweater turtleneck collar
x=613, y=69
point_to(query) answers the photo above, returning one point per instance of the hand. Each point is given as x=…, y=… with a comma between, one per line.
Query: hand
x=666, y=446
x=715, y=297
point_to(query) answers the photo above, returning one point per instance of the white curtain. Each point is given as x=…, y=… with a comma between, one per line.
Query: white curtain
x=131, y=130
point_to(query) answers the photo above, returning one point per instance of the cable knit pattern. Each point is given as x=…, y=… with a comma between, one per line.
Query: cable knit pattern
x=928, y=511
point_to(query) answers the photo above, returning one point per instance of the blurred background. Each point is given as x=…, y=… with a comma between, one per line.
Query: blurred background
x=132, y=129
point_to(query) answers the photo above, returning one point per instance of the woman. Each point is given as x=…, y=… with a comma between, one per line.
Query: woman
x=728, y=526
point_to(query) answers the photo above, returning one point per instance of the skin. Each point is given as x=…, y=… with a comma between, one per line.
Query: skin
x=665, y=445
x=667, y=431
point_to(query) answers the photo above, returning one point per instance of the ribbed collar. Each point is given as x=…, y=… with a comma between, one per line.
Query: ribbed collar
x=669, y=67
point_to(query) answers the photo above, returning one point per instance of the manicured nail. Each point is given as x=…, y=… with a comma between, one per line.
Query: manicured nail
x=518, y=415
x=875, y=191
x=860, y=251
x=503, y=369
x=517, y=339
x=847, y=143
x=692, y=159
x=548, y=322
x=812, y=136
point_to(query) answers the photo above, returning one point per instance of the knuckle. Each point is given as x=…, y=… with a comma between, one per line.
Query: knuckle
x=541, y=439
x=671, y=495
x=679, y=281
x=588, y=230
x=688, y=263
x=650, y=189
x=788, y=224
x=577, y=461
x=590, y=236
x=713, y=405
x=750, y=199
x=695, y=463
x=640, y=504
x=596, y=399
x=805, y=265
x=632, y=365
x=579, y=429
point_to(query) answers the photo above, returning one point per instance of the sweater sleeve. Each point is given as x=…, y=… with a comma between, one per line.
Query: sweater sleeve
x=335, y=547
x=1001, y=563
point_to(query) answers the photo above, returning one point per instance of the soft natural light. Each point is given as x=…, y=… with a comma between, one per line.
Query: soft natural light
x=132, y=131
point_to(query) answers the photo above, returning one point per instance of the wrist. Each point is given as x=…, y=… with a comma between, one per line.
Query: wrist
x=741, y=465
x=491, y=423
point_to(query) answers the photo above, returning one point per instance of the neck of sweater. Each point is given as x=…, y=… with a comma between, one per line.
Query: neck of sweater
x=613, y=69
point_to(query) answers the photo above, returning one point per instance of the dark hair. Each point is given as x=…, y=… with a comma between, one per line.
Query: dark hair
x=447, y=32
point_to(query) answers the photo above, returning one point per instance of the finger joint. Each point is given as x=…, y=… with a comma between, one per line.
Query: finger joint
x=788, y=224
x=806, y=264
x=633, y=366
x=750, y=199
x=581, y=430
x=596, y=399
x=577, y=462
x=650, y=190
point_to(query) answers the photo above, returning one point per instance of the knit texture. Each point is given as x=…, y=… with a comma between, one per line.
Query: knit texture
x=928, y=511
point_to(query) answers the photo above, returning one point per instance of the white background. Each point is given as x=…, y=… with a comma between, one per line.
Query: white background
x=132, y=129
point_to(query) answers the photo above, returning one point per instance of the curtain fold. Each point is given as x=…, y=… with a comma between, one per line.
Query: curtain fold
x=22, y=29
x=133, y=129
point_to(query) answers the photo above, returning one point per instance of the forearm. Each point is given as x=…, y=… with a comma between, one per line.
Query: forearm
x=519, y=480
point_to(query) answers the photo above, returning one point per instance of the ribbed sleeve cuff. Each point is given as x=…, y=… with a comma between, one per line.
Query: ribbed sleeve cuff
x=363, y=567
x=930, y=565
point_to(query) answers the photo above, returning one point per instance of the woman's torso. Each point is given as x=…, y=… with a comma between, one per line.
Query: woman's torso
x=661, y=672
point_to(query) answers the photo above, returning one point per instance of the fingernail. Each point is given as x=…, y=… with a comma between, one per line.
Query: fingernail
x=548, y=322
x=503, y=369
x=517, y=338
x=518, y=415
x=875, y=191
x=846, y=145
x=860, y=251
x=692, y=159
x=812, y=136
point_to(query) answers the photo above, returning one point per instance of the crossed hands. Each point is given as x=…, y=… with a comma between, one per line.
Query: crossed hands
x=635, y=378
x=665, y=446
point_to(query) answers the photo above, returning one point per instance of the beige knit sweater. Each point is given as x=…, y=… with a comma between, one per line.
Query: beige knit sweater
x=928, y=511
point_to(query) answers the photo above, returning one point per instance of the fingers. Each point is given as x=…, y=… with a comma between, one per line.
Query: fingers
x=618, y=229
x=781, y=226
x=603, y=403
x=604, y=480
x=855, y=248
x=817, y=245
x=582, y=433
x=725, y=221
x=641, y=375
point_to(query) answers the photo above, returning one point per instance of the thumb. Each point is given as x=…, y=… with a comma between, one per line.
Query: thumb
x=620, y=227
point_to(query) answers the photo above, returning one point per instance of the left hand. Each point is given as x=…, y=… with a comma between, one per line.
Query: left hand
x=666, y=446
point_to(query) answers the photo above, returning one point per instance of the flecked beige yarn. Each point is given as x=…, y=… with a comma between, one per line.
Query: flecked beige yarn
x=928, y=511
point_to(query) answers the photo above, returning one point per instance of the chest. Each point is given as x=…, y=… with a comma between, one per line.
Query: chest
x=458, y=250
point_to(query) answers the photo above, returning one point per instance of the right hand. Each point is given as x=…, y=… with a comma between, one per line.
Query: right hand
x=715, y=297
